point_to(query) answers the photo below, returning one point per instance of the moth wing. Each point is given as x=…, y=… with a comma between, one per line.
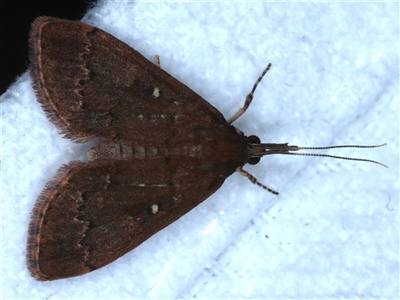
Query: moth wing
x=93, y=213
x=92, y=85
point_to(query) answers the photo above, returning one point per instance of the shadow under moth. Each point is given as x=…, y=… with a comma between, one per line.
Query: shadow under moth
x=164, y=149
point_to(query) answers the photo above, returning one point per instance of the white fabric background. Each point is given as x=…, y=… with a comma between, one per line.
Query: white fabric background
x=332, y=233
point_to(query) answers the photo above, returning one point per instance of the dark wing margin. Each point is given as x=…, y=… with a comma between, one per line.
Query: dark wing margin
x=82, y=222
x=91, y=85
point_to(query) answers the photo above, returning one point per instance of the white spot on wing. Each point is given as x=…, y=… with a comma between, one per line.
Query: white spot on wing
x=152, y=185
x=154, y=209
x=156, y=93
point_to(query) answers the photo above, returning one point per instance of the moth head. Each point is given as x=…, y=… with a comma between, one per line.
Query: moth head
x=252, y=142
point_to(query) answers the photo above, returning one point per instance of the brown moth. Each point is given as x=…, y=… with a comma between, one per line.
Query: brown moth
x=164, y=150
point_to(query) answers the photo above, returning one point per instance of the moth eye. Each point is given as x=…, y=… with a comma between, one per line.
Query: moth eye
x=253, y=139
x=253, y=160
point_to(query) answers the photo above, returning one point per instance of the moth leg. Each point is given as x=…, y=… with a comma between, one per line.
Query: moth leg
x=254, y=180
x=249, y=98
x=239, y=131
x=158, y=61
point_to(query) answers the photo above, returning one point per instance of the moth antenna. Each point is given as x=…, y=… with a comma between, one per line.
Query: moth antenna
x=249, y=97
x=254, y=180
x=259, y=150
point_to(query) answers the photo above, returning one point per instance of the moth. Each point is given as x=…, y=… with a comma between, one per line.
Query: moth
x=164, y=149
